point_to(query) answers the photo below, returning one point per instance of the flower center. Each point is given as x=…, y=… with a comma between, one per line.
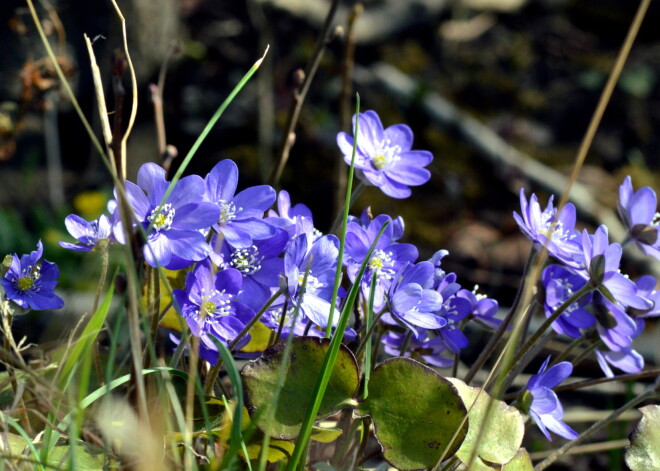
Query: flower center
x=386, y=154
x=227, y=211
x=381, y=263
x=312, y=281
x=476, y=293
x=247, y=261
x=554, y=230
x=161, y=217
x=25, y=283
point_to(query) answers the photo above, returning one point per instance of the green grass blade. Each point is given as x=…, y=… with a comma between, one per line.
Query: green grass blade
x=344, y=221
x=83, y=345
x=330, y=358
x=207, y=129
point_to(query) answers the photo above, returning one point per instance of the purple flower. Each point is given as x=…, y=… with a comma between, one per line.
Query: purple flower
x=175, y=239
x=646, y=288
x=260, y=265
x=626, y=359
x=637, y=210
x=428, y=349
x=31, y=284
x=615, y=327
x=296, y=220
x=88, y=234
x=384, y=157
x=482, y=307
x=366, y=217
x=545, y=409
x=413, y=303
x=455, y=309
x=318, y=263
x=563, y=242
x=559, y=285
x=210, y=303
x=241, y=215
x=386, y=260
x=600, y=265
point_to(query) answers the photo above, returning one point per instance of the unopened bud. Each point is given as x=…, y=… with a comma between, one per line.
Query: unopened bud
x=298, y=78
x=337, y=34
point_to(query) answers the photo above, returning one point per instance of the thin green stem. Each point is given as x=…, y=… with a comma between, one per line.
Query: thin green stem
x=587, y=288
x=367, y=340
x=329, y=361
x=342, y=238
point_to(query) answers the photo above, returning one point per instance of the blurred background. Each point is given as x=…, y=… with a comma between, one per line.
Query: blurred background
x=500, y=91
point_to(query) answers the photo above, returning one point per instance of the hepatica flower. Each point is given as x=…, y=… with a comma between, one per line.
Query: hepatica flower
x=545, y=408
x=296, y=220
x=260, y=265
x=413, y=303
x=559, y=285
x=88, y=234
x=241, y=215
x=638, y=211
x=175, y=235
x=384, y=157
x=318, y=264
x=386, y=260
x=561, y=240
x=30, y=283
x=210, y=303
x=600, y=265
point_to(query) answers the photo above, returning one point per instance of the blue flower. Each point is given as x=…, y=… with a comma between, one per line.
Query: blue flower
x=384, y=157
x=319, y=262
x=626, y=359
x=296, y=220
x=600, y=265
x=175, y=240
x=483, y=308
x=386, y=260
x=260, y=265
x=31, y=284
x=210, y=303
x=412, y=301
x=638, y=211
x=241, y=215
x=545, y=409
x=559, y=285
x=88, y=234
x=563, y=242
x=428, y=349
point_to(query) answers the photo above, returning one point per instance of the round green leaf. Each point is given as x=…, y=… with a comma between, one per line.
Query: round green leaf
x=520, y=462
x=644, y=451
x=504, y=431
x=415, y=412
x=260, y=378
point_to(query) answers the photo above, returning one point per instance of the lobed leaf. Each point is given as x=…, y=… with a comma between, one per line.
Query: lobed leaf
x=304, y=365
x=644, y=451
x=504, y=431
x=416, y=413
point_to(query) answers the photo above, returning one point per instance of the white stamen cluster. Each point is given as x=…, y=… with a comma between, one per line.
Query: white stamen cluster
x=381, y=262
x=247, y=261
x=386, y=154
x=228, y=211
x=161, y=217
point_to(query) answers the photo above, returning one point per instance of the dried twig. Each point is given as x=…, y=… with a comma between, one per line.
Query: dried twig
x=300, y=93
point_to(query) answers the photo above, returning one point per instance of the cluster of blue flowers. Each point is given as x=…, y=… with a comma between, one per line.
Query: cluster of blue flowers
x=243, y=257
x=616, y=306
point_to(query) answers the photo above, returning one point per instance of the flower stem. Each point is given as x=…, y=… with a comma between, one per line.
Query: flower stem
x=587, y=288
x=512, y=314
